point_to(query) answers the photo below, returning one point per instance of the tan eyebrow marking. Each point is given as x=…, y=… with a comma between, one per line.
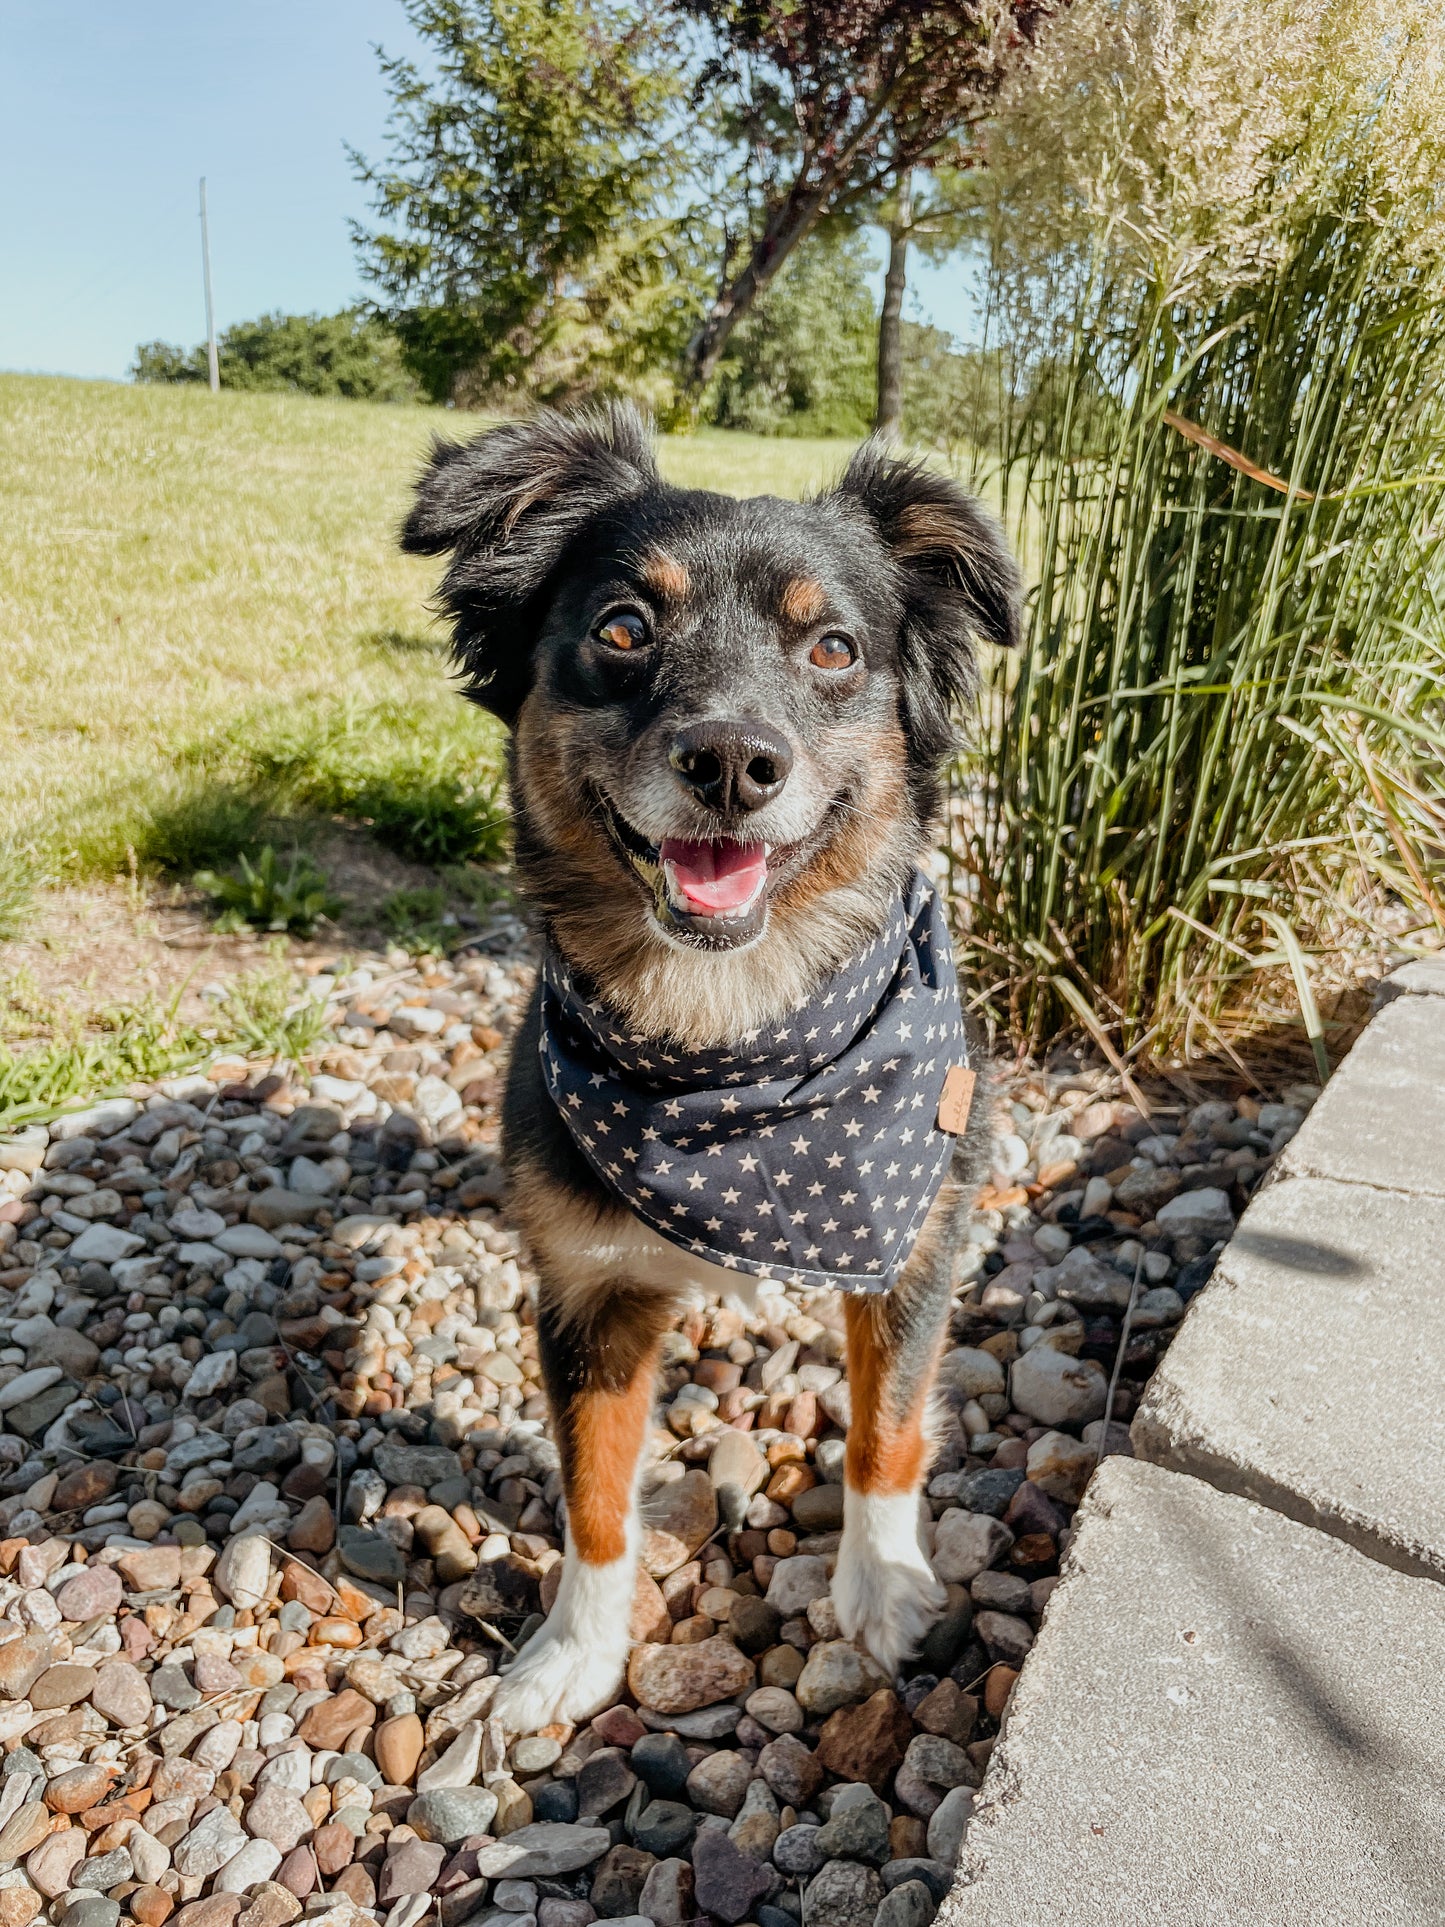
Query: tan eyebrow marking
x=803, y=600
x=665, y=575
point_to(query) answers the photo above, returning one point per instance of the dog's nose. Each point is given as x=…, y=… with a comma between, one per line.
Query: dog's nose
x=732, y=766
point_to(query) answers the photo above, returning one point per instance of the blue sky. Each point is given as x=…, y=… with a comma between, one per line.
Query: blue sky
x=111, y=110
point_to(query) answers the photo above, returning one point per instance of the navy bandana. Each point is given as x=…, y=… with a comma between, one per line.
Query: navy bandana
x=810, y=1152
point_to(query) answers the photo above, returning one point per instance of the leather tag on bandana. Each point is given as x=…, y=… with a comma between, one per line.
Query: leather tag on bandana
x=957, y=1100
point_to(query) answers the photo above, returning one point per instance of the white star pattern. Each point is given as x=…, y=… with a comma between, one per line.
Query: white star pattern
x=742, y=1111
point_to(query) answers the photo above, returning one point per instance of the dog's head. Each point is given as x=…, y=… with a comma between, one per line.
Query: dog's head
x=724, y=710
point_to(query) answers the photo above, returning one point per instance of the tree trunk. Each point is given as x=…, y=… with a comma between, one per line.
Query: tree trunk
x=793, y=221
x=889, y=418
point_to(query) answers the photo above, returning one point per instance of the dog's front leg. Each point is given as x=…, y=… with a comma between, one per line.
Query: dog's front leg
x=599, y=1362
x=884, y=1590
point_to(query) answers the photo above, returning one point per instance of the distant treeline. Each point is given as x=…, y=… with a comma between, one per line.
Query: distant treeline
x=804, y=362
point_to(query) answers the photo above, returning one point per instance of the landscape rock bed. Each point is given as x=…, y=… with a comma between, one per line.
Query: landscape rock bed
x=279, y=1498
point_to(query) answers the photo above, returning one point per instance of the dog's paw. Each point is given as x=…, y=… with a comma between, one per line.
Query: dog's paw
x=556, y=1677
x=884, y=1590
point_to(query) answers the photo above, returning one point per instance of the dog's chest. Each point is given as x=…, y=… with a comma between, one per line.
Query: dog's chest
x=591, y=1253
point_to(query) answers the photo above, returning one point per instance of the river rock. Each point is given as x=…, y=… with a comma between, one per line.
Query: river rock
x=676, y=1679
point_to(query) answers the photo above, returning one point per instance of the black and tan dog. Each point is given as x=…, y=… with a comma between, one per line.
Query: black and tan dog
x=729, y=720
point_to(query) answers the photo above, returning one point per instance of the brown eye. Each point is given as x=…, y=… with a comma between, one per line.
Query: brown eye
x=623, y=632
x=832, y=652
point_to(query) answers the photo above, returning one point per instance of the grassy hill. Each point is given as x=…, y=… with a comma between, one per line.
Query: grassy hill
x=205, y=618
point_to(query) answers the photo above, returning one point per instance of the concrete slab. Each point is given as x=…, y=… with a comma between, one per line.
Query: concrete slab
x=1426, y=976
x=1228, y=1721
x=1381, y=1119
x=1308, y=1373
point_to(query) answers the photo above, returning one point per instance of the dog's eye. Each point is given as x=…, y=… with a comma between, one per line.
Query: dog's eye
x=832, y=652
x=625, y=631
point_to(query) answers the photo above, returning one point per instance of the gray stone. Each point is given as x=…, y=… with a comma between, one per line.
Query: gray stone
x=909, y=1904
x=1318, y=1307
x=1056, y=1389
x=540, y=1851
x=796, y=1583
x=1227, y=1716
x=666, y=1897
x=104, y=1244
x=368, y=1555
x=1381, y=1118
x=858, y=1831
x=258, y=1860
x=248, y=1241
x=210, y=1844
x=448, y=1814
x=967, y=1543
x=948, y=1822
x=515, y=1896
x=717, y=1784
x=842, y=1894
x=665, y=1828
x=1204, y=1215
x=939, y=1761
x=104, y=1870
x=93, y=1910
x=423, y=1465
x=836, y=1674
x=934, y=1875
x=797, y=1850
x=727, y=1880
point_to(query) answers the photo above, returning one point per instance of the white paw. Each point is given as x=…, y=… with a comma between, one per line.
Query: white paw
x=884, y=1590
x=556, y=1678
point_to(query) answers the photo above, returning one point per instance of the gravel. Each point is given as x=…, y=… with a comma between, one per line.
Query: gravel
x=278, y=1495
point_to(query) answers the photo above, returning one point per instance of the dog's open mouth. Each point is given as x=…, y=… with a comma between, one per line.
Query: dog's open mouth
x=714, y=879
x=711, y=892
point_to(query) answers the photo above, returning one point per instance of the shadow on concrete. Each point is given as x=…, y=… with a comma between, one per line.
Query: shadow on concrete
x=1296, y=1254
x=1348, y=1720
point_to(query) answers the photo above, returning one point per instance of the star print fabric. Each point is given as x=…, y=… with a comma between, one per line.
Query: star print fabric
x=809, y=1152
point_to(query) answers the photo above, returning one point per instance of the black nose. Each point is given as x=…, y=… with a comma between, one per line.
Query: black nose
x=732, y=766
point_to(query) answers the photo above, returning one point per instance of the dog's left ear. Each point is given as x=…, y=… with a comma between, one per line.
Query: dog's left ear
x=507, y=507
x=958, y=583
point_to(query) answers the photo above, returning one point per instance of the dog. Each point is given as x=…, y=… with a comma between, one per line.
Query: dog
x=729, y=722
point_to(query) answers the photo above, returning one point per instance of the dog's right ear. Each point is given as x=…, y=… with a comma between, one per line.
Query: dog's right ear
x=507, y=507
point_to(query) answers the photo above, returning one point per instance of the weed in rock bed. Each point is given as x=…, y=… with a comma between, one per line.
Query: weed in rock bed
x=118, y=1045
x=96, y=1054
x=17, y=889
x=262, y=1014
x=266, y=897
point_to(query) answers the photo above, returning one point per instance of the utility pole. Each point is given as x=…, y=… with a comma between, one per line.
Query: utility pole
x=212, y=362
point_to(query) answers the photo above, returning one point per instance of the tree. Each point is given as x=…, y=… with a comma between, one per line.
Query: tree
x=801, y=361
x=935, y=213
x=536, y=142
x=346, y=354
x=888, y=416
x=830, y=103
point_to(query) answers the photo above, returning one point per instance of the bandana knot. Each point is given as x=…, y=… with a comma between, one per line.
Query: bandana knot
x=809, y=1151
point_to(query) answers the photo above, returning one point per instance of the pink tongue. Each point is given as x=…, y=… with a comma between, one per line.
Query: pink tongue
x=715, y=876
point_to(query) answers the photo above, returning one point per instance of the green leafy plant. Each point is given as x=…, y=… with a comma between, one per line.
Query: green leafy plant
x=266, y=897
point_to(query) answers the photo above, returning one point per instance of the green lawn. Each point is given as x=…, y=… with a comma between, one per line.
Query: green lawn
x=202, y=603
